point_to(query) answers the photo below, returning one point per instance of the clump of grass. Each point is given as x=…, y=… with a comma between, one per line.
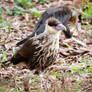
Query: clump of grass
x=43, y=1
x=24, y=3
x=3, y=55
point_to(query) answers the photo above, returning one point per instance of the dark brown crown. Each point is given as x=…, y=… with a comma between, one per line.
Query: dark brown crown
x=53, y=21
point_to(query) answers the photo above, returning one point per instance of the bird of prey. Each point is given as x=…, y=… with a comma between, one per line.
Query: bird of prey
x=61, y=13
x=40, y=51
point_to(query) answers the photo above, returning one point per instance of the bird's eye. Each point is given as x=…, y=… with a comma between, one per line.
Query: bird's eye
x=52, y=24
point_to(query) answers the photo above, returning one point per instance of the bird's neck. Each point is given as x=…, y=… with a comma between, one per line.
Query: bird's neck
x=53, y=36
x=51, y=30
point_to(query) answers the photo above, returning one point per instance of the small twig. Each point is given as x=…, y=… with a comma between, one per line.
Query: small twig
x=79, y=42
x=76, y=40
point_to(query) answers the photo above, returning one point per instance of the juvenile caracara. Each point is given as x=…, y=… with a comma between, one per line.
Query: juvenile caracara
x=40, y=51
x=61, y=13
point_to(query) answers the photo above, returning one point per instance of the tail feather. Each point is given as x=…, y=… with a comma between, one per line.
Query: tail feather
x=16, y=59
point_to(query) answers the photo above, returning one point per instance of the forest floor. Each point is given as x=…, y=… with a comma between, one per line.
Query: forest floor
x=72, y=72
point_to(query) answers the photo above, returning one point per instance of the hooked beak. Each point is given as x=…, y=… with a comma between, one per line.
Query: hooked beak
x=61, y=27
x=66, y=31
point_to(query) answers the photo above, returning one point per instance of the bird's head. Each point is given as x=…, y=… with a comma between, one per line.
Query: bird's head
x=54, y=26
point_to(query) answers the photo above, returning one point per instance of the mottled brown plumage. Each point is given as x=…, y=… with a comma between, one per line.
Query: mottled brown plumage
x=41, y=51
